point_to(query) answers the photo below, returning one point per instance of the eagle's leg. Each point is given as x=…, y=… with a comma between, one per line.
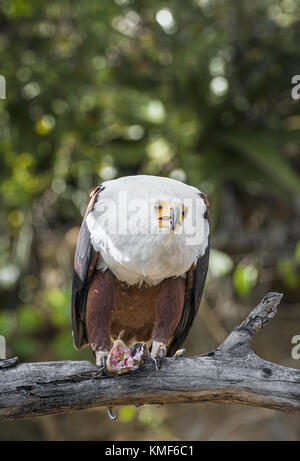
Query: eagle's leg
x=99, y=309
x=101, y=359
x=168, y=311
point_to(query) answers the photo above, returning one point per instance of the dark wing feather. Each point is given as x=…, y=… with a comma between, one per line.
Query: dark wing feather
x=84, y=264
x=192, y=301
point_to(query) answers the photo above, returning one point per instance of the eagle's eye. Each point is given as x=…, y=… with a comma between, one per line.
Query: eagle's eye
x=184, y=211
x=158, y=206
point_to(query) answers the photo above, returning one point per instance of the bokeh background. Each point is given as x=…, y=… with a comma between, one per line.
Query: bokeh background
x=199, y=91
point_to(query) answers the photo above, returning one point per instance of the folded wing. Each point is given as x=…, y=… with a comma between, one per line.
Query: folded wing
x=84, y=265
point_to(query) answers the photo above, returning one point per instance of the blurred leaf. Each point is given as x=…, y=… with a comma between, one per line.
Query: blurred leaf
x=25, y=347
x=59, y=304
x=220, y=264
x=150, y=416
x=127, y=414
x=8, y=323
x=9, y=276
x=29, y=319
x=263, y=151
x=244, y=279
x=288, y=273
x=297, y=252
x=63, y=346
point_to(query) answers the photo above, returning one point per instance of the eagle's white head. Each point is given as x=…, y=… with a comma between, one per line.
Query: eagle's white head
x=148, y=228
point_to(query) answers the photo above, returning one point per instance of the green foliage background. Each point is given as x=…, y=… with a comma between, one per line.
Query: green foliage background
x=198, y=90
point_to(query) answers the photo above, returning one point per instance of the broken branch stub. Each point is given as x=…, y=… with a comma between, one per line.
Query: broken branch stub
x=239, y=340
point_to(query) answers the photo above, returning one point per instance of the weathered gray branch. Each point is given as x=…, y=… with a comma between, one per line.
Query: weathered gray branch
x=232, y=373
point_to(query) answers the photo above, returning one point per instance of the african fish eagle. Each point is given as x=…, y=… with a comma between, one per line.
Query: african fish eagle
x=139, y=269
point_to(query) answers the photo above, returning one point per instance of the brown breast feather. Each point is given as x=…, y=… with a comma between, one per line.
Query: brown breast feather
x=133, y=308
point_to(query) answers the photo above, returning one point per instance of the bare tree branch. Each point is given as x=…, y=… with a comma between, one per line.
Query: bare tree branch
x=232, y=373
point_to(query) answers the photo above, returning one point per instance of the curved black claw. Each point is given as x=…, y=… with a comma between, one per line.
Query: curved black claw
x=111, y=415
x=158, y=359
x=103, y=365
x=179, y=353
x=138, y=347
x=153, y=359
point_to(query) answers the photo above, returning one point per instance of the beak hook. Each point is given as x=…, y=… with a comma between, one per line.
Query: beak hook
x=174, y=217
